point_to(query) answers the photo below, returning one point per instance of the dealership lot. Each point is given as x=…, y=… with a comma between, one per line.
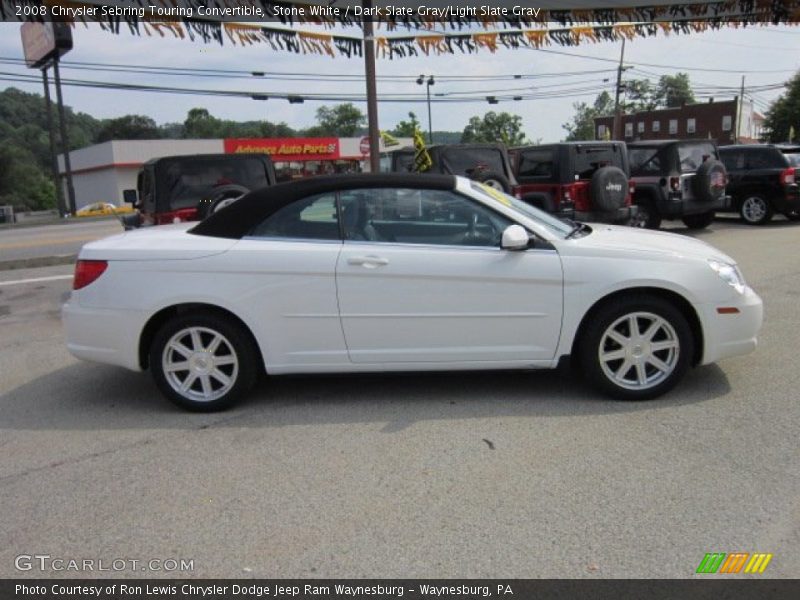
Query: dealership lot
x=498, y=474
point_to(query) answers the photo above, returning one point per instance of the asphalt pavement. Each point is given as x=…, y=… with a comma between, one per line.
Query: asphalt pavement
x=32, y=245
x=439, y=475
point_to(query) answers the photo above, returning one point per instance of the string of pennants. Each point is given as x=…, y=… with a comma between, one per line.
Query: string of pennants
x=683, y=19
x=771, y=11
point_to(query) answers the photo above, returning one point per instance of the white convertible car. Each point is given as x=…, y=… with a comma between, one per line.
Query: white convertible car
x=405, y=272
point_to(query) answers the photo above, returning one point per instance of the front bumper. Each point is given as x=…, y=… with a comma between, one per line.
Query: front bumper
x=735, y=334
x=620, y=216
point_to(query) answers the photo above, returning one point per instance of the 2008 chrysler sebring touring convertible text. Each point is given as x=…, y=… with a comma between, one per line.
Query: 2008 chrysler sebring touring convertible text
x=402, y=273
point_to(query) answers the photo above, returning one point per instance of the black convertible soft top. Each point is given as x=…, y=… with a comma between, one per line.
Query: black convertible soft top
x=238, y=219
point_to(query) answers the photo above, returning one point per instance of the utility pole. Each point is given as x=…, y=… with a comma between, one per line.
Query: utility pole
x=64, y=140
x=739, y=114
x=62, y=211
x=617, y=116
x=372, y=91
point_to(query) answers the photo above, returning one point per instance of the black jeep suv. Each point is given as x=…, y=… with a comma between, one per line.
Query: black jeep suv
x=677, y=179
x=487, y=163
x=587, y=181
x=763, y=181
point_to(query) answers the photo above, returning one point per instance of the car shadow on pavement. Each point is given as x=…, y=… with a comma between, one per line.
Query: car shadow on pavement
x=99, y=397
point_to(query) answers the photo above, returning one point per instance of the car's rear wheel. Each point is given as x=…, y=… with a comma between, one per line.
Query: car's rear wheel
x=699, y=221
x=755, y=209
x=636, y=348
x=203, y=362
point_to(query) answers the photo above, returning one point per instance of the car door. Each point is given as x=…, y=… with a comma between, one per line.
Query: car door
x=285, y=279
x=422, y=279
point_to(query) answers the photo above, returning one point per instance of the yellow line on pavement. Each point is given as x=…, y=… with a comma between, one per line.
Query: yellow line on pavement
x=51, y=241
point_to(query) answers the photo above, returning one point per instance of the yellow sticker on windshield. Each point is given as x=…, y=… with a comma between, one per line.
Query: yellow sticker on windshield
x=496, y=194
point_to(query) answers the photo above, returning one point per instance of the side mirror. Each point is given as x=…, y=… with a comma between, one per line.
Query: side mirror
x=130, y=197
x=515, y=238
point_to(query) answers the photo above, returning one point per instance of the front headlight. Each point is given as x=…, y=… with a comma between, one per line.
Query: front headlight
x=730, y=274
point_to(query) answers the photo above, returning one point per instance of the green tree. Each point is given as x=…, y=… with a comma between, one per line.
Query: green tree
x=783, y=116
x=342, y=120
x=639, y=96
x=582, y=125
x=407, y=128
x=674, y=90
x=494, y=127
x=199, y=124
x=129, y=127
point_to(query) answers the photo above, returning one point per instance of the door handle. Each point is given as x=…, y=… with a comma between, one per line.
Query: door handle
x=370, y=262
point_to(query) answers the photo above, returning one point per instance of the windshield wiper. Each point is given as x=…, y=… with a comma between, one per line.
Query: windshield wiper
x=577, y=228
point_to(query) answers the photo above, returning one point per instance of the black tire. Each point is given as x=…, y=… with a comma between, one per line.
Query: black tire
x=236, y=344
x=647, y=215
x=755, y=209
x=608, y=188
x=493, y=179
x=710, y=180
x=616, y=314
x=698, y=221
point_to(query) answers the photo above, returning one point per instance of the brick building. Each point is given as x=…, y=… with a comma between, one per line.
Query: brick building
x=704, y=120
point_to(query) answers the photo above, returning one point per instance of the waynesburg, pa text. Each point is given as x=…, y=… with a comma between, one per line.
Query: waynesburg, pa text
x=260, y=591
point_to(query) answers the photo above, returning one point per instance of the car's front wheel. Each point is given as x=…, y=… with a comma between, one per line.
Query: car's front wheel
x=636, y=348
x=203, y=362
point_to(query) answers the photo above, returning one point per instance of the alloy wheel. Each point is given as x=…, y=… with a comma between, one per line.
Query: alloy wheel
x=639, y=350
x=754, y=209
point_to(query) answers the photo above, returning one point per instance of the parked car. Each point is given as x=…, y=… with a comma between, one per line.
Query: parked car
x=587, y=181
x=187, y=188
x=377, y=273
x=677, y=179
x=487, y=163
x=100, y=209
x=762, y=182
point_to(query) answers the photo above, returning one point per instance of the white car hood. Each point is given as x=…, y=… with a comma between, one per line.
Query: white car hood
x=162, y=242
x=612, y=239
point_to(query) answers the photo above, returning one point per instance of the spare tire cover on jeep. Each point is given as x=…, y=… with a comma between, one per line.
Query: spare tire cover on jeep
x=493, y=179
x=710, y=181
x=609, y=187
x=219, y=194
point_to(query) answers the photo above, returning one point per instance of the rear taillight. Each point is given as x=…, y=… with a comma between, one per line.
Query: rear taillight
x=675, y=184
x=87, y=271
x=788, y=176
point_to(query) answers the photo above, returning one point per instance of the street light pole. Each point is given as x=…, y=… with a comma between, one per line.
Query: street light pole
x=617, y=116
x=64, y=140
x=429, y=83
x=62, y=211
x=372, y=90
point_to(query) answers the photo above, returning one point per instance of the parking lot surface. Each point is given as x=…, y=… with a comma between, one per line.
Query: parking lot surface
x=503, y=474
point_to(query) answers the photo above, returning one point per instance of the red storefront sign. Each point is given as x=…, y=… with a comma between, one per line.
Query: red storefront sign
x=286, y=149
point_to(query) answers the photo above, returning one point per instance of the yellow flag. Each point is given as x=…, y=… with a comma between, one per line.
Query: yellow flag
x=422, y=160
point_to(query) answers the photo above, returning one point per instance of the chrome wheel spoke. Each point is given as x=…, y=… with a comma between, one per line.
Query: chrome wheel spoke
x=205, y=381
x=651, y=331
x=658, y=364
x=613, y=355
x=221, y=377
x=623, y=369
x=221, y=361
x=180, y=349
x=619, y=338
x=633, y=326
x=197, y=343
x=188, y=382
x=641, y=373
x=665, y=345
x=212, y=347
x=178, y=366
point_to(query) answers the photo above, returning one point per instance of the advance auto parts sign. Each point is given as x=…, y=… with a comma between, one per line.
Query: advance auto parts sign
x=286, y=149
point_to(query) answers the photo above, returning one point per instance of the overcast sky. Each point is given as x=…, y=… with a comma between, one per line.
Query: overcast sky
x=765, y=55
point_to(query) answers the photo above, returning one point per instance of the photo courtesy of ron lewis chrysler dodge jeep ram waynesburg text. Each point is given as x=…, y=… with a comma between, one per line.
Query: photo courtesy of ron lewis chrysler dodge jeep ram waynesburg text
x=402, y=272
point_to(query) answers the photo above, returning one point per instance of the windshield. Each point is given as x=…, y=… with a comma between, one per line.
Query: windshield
x=645, y=160
x=466, y=161
x=589, y=159
x=187, y=181
x=694, y=155
x=557, y=226
x=403, y=161
x=794, y=158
